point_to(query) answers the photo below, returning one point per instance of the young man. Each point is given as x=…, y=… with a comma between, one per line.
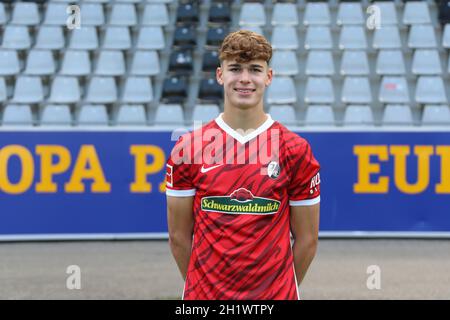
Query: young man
x=231, y=203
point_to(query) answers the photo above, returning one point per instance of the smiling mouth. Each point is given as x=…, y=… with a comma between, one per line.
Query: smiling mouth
x=244, y=90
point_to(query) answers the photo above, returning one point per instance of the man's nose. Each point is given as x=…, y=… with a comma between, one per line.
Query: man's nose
x=245, y=76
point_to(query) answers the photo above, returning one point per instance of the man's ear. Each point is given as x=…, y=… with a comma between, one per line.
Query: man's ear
x=269, y=77
x=219, y=74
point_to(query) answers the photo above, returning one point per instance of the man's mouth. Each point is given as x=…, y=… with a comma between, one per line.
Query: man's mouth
x=245, y=91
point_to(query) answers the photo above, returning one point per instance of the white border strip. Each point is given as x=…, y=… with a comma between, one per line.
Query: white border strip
x=165, y=236
x=308, y=202
x=180, y=193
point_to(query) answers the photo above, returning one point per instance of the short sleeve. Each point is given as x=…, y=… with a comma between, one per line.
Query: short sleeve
x=304, y=187
x=178, y=172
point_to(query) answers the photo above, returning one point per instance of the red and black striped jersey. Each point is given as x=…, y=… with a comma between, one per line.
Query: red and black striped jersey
x=243, y=187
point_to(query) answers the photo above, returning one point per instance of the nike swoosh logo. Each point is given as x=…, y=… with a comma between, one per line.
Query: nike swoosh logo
x=205, y=170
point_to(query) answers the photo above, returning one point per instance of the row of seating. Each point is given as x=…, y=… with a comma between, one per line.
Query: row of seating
x=174, y=115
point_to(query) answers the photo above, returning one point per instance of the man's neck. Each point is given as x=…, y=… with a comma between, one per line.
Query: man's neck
x=244, y=119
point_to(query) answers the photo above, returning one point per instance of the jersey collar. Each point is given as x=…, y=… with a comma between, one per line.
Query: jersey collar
x=236, y=135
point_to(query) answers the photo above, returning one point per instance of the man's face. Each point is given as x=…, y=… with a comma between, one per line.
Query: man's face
x=244, y=83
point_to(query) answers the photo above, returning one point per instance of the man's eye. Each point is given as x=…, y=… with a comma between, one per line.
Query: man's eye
x=256, y=70
x=234, y=69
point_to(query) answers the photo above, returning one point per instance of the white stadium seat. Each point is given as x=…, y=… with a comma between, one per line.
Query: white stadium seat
x=252, y=14
x=56, y=115
x=169, y=114
x=317, y=13
x=9, y=63
x=397, y=115
x=92, y=115
x=319, y=63
x=281, y=91
x=284, y=63
x=28, y=90
x=205, y=112
x=131, y=115
x=65, y=90
x=436, y=115
x=17, y=115
x=319, y=90
x=319, y=115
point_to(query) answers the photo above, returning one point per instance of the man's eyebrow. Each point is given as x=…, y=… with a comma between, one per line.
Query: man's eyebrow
x=252, y=65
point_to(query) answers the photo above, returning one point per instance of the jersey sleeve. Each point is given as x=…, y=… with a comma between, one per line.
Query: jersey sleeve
x=304, y=187
x=178, y=172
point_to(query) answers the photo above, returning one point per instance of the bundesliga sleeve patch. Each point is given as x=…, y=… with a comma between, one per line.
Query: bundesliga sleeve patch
x=169, y=175
x=315, y=182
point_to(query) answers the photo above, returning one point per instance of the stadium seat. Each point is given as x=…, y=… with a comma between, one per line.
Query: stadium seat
x=387, y=37
x=181, y=61
x=318, y=38
x=393, y=90
x=40, y=63
x=205, y=112
x=25, y=13
x=76, y=63
x=215, y=36
x=185, y=36
x=284, y=63
x=281, y=91
x=65, y=90
x=358, y=115
x=131, y=115
x=255, y=29
x=390, y=62
x=138, y=90
x=285, y=114
x=2, y=14
x=150, y=38
x=92, y=115
x=319, y=115
x=284, y=14
x=110, y=63
x=356, y=90
x=317, y=13
x=354, y=63
x=145, y=63
x=436, y=115
x=421, y=36
x=252, y=14
x=28, y=90
x=210, y=61
x=353, y=38
x=9, y=63
x=169, y=114
x=388, y=12
x=397, y=115
x=446, y=36
x=93, y=14
x=56, y=15
x=350, y=13
x=50, y=37
x=319, y=90
x=102, y=90
x=56, y=115
x=3, y=92
x=117, y=38
x=17, y=115
x=416, y=12
x=219, y=12
x=188, y=12
x=174, y=89
x=84, y=39
x=426, y=62
x=210, y=90
x=319, y=63
x=123, y=14
x=155, y=15
x=284, y=38
x=16, y=37
x=430, y=90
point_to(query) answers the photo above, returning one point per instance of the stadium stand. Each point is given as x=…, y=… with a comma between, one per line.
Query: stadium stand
x=152, y=62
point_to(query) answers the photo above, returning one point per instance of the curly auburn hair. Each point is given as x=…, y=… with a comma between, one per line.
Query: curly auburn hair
x=244, y=46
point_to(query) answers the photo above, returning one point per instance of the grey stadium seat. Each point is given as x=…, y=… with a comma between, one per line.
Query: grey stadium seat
x=426, y=62
x=155, y=15
x=76, y=63
x=40, y=63
x=110, y=63
x=356, y=90
x=93, y=14
x=17, y=115
x=436, y=115
x=50, y=37
x=390, y=62
x=151, y=38
x=317, y=13
x=169, y=114
x=25, y=13
x=281, y=91
x=446, y=36
x=285, y=38
x=319, y=63
x=28, y=90
x=358, y=115
x=416, y=12
x=16, y=37
x=65, y=90
x=205, y=112
x=421, y=36
x=284, y=63
x=92, y=115
x=85, y=38
x=354, y=63
x=430, y=89
x=55, y=14
x=123, y=14
x=138, y=90
x=56, y=115
x=352, y=37
x=131, y=115
x=388, y=12
x=252, y=14
x=145, y=63
x=393, y=90
x=319, y=90
x=387, y=37
x=9, y=63
x=285, y=14
x=397, y=115
x=318, y=37
x=102, y=90
x=284, y=114
x=350, y=13
x=319, y=115
x=117, y=38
